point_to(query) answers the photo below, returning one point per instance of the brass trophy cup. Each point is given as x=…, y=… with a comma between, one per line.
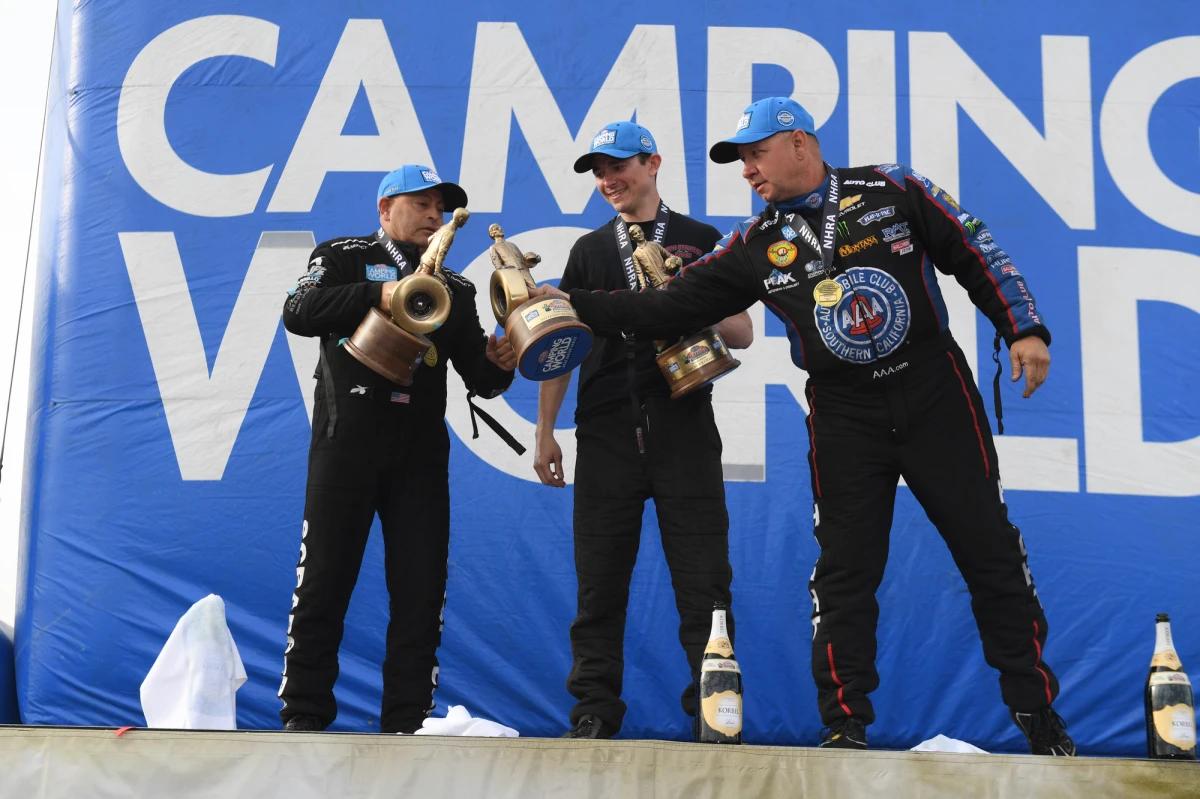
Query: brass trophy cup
x=546, y=334
x=696, y=360
x=419, y=304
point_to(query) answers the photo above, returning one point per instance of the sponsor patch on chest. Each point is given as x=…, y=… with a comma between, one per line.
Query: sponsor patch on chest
x=382, y=273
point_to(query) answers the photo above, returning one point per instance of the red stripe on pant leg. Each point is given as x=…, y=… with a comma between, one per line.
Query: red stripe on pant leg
x=833, y=673
x=812, y=442
x=987, y=467
x=1037, y=648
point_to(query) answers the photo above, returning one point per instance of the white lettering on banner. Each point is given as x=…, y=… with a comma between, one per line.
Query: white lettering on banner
x=204, y=412
x=871, y=96
x=1057, y=165
x=141, y=114
x=732, y=54
x=1125, y=132
x=363, y=57
x=1112, y=281
x=506, y=83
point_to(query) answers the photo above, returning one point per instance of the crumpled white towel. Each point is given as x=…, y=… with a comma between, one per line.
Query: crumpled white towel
x=459, y=722
x=192, y=683
x=940, y=743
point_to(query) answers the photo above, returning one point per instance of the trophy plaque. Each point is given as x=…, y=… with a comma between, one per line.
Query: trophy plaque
x=420, y=303
x=546, y=334
x=696, y=360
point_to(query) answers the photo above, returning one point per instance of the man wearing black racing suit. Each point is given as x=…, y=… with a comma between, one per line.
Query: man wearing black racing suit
x=378, y=447
x=846, y=258
x=635, y=443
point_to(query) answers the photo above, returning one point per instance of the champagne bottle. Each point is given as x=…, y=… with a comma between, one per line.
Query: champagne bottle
x=720, y=719
x=1170, y=712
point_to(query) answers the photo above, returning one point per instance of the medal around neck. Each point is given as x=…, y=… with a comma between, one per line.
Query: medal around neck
x=696, y=360
x=547, y=334
x=828, y=293
x=394, y=347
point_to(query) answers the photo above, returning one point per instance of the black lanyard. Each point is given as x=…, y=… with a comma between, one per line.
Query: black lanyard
x=385, y=241
x=625, y=244
x=824, y=245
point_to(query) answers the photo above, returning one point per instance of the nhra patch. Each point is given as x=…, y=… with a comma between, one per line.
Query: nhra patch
x=872, y=319
x=382, y=272
x=781, y=254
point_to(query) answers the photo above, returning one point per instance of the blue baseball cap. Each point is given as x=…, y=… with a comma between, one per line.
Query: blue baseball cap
x=762, y=119
x=618, y=140
x=418, y=177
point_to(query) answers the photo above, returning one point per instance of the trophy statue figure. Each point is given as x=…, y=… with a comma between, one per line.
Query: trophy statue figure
x=696, y=360
x=419, y=304
x=547, y=335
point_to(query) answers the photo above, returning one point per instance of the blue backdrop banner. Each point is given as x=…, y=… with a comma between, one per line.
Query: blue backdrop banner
x=197, y=155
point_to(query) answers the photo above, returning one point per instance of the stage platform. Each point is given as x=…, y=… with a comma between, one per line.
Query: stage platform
x=54, y=762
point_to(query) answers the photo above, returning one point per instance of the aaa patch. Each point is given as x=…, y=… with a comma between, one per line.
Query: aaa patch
x=782, y=253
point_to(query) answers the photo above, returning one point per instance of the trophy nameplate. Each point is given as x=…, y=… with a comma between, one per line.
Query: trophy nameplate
x=420, y=303
x=546, y=334
x=696, y=360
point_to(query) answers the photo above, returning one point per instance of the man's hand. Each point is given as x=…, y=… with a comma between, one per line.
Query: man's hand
x=385, y=295
x=1033, y=356
x=547, y=460
x=500, y=352
x=548, y=292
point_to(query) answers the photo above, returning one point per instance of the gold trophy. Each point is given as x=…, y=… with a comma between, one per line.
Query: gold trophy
x=546, y=334
x=696, y=360
x=420, y=303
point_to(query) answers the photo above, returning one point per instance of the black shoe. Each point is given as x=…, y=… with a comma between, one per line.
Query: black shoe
x=589, y=726
x=304, y=724
x=845, y=733
x=1046, y=731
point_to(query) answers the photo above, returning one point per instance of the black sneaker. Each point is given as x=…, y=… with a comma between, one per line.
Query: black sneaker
x=304, y=724
x=589, y=726
x=1046, y=731
x=845, y=733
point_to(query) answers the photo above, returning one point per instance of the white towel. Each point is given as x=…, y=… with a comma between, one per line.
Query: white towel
x=193, y=682
x=940, y=743
x=459, y=722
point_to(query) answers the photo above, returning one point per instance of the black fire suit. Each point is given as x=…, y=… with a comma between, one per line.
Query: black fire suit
x=376, y=448
x=680, y=468
x=889, y=395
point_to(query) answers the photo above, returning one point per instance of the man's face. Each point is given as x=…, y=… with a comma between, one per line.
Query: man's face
x=773, y=167
x=625, y=182
x=412, y=217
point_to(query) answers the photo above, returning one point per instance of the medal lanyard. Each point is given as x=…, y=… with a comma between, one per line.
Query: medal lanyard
x=824, y=245
x=385, y=241
x=625, y=245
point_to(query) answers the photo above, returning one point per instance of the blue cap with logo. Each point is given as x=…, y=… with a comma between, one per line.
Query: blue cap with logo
x=418, y=177
x=617, y=140
x=762, y=119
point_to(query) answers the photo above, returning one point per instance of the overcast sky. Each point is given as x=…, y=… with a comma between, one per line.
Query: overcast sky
x=25, y=65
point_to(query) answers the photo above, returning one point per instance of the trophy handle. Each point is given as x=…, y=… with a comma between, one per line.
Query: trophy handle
x=420, y=304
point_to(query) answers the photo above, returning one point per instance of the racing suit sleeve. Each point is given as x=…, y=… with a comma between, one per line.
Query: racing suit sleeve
x=468, y=351
x=961, y=245
x=706, y=291
x=328, y=299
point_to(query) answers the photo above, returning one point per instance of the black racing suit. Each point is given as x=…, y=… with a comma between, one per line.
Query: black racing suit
x=376, y=448
x=621, y=389
x=889, y=395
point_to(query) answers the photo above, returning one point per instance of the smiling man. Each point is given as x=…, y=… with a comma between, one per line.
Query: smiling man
x=846, y=259
x=635, y=443
x=378, y=447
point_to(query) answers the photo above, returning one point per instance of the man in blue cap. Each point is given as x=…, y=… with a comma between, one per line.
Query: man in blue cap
x=634, y=442
x=379, y=448
x=846, y=258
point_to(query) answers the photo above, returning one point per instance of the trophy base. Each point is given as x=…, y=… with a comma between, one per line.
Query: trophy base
x=386, y=348
x=548, y=338
x=696, y=361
